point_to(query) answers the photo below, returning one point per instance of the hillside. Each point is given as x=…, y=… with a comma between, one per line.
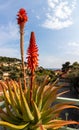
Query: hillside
x=10, y=68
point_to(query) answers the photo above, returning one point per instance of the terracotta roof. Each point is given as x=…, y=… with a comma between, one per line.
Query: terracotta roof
x=0, y=88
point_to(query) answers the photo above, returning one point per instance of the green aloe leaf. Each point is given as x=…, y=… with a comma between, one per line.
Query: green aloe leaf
x=37, y=113
x=5, y=117
x=6, y=95
x=12, y=100
x=35, y=91
x=26, y=110
x=61, y=106
x=56, y=124
x=12, y=126
x=50, y=99
x=8, y=109
x=41, y=88
x=40, y=93
x=16, y=94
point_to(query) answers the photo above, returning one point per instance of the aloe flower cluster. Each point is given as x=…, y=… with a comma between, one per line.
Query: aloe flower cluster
x=32, y=52
x=22, y=17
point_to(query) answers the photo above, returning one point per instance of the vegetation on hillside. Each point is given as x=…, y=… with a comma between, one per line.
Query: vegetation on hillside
x=72, y=71
x=8, y=59
x=12, y=67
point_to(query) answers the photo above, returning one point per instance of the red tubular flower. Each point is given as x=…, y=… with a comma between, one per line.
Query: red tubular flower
x=32, y=52
x=22, y=17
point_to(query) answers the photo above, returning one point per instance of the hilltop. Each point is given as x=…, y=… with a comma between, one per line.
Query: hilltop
x=8, y=59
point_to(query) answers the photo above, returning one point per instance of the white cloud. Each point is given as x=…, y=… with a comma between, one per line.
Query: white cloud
x=73, y=44
x=55, y=23
x=52, y=3
x=74, y=3
x=63, y=11
x=59, y=14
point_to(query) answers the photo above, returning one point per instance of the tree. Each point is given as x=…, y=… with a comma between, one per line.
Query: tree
x=66, y=66
x=14, y=75
x=75, y=65
x=73, y=77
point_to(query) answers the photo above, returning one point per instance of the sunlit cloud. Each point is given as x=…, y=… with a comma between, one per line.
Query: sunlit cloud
x=55, y=23
x=59, y=14
x=73, y=44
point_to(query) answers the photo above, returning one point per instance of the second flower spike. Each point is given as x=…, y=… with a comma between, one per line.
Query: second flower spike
x=32, y=52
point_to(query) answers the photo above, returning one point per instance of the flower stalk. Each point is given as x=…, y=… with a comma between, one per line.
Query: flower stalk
x=21, y=20
x=32, y=60
x=22, y=55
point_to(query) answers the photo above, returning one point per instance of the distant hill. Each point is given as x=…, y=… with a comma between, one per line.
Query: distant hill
x=8, y=59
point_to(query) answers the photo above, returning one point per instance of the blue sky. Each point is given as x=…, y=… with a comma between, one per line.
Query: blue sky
x=56, y=27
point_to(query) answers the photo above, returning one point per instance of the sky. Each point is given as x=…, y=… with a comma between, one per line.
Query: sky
x=56, y=27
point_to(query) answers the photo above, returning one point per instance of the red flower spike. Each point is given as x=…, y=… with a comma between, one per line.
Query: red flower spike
x=32, y=52
x=22, y=17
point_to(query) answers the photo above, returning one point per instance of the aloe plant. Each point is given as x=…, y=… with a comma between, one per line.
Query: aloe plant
x=20, y=114
x=32, y=109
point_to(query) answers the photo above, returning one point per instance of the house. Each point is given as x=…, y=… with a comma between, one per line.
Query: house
x=58, y=72
x=5, y=75
x=5, y=64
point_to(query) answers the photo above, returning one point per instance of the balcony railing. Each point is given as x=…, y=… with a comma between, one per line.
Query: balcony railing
x=64, y=99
